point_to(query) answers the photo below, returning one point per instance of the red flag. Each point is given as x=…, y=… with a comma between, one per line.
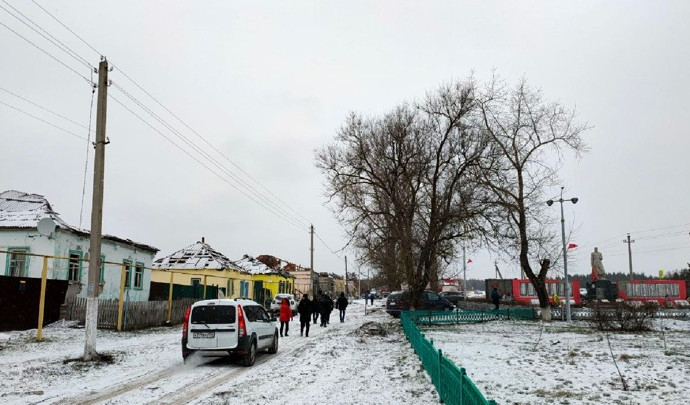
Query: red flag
x=572, y=246
x=469, y=260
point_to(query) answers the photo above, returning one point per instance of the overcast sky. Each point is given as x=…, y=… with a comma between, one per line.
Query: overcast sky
x=266, y=83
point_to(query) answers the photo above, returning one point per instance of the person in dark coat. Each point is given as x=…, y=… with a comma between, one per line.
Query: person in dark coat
x=325, y=307
x=316, y=306
x=341, y=304
x=285, y=316
x=304, y=308
x=495, y=297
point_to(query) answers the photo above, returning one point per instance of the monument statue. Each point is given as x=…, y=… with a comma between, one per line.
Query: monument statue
x=597, y=266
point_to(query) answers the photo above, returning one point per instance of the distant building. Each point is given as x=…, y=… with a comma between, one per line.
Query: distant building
x=20, y=232
x=306, y=281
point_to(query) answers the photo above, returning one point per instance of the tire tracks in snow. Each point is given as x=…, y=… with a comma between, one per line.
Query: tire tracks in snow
x=194, y=385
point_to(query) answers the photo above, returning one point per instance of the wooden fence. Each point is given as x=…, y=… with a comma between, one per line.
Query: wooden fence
x=136, y=314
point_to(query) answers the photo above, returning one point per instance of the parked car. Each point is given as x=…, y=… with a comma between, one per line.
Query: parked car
x=236, y=326
x=453, y=296
x=278, y=300
x=400, y=301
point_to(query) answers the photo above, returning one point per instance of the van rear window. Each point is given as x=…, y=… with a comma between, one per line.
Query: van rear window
x=213, y=314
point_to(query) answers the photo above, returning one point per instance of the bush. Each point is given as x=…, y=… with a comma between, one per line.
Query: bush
x=623, y=316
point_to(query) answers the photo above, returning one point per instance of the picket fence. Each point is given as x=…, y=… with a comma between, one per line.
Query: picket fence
x=136, y=314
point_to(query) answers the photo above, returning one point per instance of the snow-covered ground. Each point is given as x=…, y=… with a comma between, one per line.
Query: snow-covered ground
x=335, y=365
x=570, y=364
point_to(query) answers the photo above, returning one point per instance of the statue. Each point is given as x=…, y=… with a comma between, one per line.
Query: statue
x=597, y=266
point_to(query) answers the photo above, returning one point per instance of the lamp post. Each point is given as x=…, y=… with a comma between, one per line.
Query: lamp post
x=565, y=254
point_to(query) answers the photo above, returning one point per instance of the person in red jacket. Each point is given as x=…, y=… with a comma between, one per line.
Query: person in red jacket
x=285, y=316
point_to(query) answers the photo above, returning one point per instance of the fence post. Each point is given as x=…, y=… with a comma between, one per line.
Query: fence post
x=121, y=301
x=205, y=286
x=42, y=300
x=462, y=385
x=170, y=296
x=440, y=386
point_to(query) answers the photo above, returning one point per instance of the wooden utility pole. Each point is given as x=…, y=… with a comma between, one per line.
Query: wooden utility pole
x=311, y=259
x=96, y=216
x=347, y=289
x=628, y=241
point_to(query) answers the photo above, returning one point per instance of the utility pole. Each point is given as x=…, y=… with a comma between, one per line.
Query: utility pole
x=311, y=259
x=96, y=215
x=464, y=275
x=347, y=289
x=628, y=241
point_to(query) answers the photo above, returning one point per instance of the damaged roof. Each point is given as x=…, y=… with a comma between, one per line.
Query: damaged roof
x=200, y=255
x=254, y=266
x=19, y=210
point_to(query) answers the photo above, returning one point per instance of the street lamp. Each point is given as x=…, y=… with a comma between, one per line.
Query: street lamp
x=565, y=255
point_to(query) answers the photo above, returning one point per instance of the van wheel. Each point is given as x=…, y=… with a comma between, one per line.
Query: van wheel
x=274, y=347
x=186, y=355
x=249, y=357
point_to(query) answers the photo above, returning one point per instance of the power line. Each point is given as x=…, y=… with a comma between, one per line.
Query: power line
x=43, y=33
x=204, y=165
x=66, y=27
x=301, y=217
x=44, y=121
x=46, y=52
x=207, y=156
x=45, y=109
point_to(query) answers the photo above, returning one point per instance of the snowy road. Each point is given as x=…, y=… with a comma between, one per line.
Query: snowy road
x=334, y=364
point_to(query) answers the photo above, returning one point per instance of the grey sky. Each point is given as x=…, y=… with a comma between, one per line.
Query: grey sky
x=269, y=82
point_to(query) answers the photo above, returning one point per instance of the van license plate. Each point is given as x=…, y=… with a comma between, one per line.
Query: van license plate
x=204, y=335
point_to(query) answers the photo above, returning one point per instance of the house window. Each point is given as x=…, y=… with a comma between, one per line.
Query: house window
x=139, y=276
x=74, y=265
x=102, y=278
x=128, y=273
x=17, y=262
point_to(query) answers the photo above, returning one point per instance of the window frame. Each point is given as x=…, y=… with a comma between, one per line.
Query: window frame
x=137, y=266
x=128, y=273
x=79, y=268
x=22, y=249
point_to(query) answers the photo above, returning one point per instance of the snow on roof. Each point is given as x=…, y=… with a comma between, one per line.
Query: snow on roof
x=197, y=256
x=254, y=266
x=19, y=210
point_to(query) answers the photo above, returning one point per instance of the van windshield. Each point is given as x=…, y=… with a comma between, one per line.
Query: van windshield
x=213, y=314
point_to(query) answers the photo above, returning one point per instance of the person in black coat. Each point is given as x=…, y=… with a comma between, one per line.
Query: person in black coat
x=495, y=297
x=325, y=307
x=316, y=306
x=341, y=304
x=304, y=309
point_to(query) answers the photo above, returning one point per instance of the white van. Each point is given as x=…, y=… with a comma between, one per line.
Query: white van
x=237, y=326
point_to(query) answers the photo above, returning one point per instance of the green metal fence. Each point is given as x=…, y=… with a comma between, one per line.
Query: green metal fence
x=469, y=316
x=451, y=382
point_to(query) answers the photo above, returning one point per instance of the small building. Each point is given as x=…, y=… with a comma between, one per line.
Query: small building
x=267, y=281
x=306, y=281
x=28, y=224
x=199, y=271
x=326, y=283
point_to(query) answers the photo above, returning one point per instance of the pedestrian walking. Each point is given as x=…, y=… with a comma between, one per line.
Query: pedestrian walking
x=325, y=307
x=371, y=297
x=285, y=316
x=341, y=304
x=496, y=298
x=304, y=308
x=316, y=306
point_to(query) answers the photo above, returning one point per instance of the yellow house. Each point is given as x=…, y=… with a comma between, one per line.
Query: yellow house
x=199, y=271
x=267, y=281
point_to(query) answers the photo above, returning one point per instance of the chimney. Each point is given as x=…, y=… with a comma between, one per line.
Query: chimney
x=203, y=240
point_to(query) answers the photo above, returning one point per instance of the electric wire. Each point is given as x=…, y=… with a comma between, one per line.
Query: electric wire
x=298, y=214
x=86, y=160
x=46, y=52
x=43, y=33
x=45, y=109
x=206, y=155
x=204, y=164
x=44, y=121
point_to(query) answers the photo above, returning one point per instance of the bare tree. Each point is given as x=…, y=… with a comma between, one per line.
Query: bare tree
x=404, y=185
x=529, y=136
